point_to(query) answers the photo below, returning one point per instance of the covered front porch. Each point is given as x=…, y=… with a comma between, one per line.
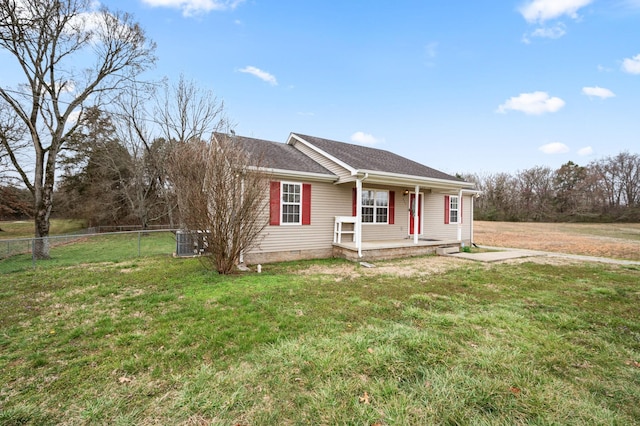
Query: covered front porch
x=390, y=249
x=402, y=215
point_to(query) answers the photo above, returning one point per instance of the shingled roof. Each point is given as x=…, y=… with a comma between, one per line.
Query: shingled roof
x=275, y=155
x=281, y=156
x=371, y=159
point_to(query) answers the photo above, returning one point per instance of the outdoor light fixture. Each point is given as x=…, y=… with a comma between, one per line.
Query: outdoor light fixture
x=406, y=192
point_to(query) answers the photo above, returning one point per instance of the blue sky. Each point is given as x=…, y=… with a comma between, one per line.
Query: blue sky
x=463, y=86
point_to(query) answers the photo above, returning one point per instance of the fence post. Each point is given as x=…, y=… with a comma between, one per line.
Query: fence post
x=33, y=252
x=139, y=236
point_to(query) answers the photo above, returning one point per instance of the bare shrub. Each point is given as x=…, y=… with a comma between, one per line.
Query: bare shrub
x=220, y=192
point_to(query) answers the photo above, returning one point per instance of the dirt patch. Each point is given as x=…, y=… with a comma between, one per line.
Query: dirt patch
x=427, y=265
x=419, y=266
x=603, y=240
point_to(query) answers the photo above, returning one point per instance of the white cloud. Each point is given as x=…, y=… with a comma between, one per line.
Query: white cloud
x=544, y=10
x=262, y=75
x=587, y=150
x=556, y=31
x=98, y=24
x=599, y=92
x=631, y=65
x=195, y=7
x=554, y=148
x=535, y=103
x=364, y=138
x=553, y=32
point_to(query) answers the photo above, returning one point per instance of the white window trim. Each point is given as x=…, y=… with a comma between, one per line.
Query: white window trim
x=375, y=207
x=282, y=204
x=457, y=209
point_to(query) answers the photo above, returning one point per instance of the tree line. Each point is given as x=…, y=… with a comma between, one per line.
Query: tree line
x=604, y=190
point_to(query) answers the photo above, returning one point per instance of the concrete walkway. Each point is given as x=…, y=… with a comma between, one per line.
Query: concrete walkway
x=504, y=253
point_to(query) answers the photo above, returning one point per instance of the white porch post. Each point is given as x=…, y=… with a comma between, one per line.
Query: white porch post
x=460, y=215
x=416, y=216
x=358, y=224
x=471, y=221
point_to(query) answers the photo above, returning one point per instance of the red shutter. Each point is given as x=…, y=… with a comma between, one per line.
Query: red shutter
x=446, y=209
x=306, y=204
x=274, y=203
x=354, y=202
x=392, y=207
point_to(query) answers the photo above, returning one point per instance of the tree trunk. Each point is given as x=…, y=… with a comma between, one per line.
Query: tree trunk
x=43, y=213
x=43, y=206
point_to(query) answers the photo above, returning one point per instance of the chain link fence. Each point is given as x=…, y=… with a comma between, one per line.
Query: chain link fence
x=90, y=247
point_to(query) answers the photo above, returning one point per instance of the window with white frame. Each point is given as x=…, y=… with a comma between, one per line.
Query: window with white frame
x=453, y=209
x=291, y=203
x=375, y=206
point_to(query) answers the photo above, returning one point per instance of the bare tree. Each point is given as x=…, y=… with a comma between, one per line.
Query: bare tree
x=67, y=53
x=499, y=200
x=145, y=168
x=619, y=179
x=221, y=192
x=151, y=119
x=185, y=112
x=534, y=188
x=629, y=167
x=12, y=134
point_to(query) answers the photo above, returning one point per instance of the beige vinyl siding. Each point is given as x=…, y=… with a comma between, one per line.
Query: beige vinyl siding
x=327, y=201
x=397, y=231
x=382, y=232
x=434, y=218
x=466, y=218
x=334, y=168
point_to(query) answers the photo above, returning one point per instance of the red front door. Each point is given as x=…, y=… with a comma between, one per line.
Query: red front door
x=412, y=218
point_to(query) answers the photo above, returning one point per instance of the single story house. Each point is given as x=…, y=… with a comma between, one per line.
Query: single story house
x=335, y=199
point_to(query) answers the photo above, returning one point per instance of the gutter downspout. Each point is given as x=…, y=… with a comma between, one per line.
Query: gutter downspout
x=359, y=213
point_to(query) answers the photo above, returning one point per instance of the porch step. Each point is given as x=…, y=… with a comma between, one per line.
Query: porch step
x=443, y=251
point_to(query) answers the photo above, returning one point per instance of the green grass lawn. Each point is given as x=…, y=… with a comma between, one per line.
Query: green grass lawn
x=25, y=228
x=89, y=249
x=156, y=340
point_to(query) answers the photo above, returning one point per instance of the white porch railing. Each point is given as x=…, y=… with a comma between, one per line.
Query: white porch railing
x=338, y=230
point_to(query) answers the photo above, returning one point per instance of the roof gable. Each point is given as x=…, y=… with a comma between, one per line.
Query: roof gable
x=364, y=158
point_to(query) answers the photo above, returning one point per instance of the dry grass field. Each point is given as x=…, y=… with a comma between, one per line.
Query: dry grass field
x=620, y=241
